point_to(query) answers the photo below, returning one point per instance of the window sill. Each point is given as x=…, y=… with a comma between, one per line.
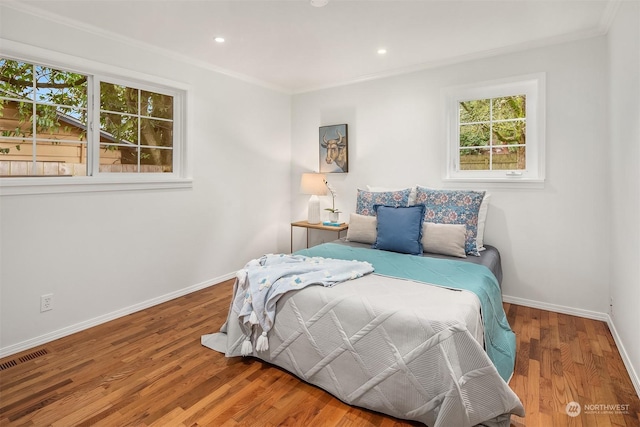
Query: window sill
x=501, y=182
x=65, y=184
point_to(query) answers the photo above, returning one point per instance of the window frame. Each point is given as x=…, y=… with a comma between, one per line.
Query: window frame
x=533, y=86
x=96, y=181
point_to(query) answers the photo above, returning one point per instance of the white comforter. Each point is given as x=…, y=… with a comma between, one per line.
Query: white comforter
x=407, y=349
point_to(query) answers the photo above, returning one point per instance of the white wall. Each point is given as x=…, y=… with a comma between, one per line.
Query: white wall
x=553, y=240
x=624, y=77
x=102, y=254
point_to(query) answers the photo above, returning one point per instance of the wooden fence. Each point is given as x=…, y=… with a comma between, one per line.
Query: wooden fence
x=53, y=168
x=507, y=161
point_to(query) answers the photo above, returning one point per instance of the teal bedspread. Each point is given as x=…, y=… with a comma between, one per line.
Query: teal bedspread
x=500, y=341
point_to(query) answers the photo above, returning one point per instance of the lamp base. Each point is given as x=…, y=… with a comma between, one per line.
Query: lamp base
x=313, y=216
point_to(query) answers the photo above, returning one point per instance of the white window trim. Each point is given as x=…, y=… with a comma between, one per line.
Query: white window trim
x=534, y=87
x=180, y=178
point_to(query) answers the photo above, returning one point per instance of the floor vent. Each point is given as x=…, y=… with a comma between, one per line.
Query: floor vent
x=27, y=357
x=33, y=355
x=8, y=364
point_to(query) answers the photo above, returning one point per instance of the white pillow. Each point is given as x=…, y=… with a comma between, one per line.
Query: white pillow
x=412, y=194
x=444, y=239
x=482, y=218
x=362, y=228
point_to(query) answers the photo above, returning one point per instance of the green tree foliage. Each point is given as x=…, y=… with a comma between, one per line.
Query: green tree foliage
x=494, y=123
x=120, y=107
x=55, y=92
x=129, y=117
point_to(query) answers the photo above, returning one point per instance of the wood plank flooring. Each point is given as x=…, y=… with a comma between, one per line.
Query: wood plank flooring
x=149, y=369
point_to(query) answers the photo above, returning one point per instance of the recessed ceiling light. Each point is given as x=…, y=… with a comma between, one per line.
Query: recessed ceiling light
x=382, y=51
x=319, y=3
x=219, y=39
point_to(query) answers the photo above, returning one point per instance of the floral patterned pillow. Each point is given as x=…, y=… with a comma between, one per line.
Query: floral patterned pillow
x=366, y=200
x=453, y=207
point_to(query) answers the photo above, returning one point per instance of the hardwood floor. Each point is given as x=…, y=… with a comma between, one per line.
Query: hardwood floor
x=562, y=359
x=149, y=368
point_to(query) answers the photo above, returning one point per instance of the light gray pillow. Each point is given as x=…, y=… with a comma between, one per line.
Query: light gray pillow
x=444, y=239
x=362, y=228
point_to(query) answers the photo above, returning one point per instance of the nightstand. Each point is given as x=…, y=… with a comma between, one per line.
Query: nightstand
x=304, y=224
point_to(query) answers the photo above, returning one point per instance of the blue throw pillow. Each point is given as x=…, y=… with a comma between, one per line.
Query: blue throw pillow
x=399, y=229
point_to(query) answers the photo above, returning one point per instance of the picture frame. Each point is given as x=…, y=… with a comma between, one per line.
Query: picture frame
x=333, y=146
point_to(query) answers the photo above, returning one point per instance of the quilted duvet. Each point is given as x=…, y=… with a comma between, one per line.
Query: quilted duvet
x=400, y=347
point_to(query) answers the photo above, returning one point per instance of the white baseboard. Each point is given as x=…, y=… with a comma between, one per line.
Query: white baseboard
x=588, y=314
x=635, y=378
x=595, y=315
x=72, y=329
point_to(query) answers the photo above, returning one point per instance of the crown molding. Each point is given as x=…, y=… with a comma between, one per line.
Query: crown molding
x=609, y=15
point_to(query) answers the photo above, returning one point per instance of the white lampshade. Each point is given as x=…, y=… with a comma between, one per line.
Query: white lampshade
x=314, y=184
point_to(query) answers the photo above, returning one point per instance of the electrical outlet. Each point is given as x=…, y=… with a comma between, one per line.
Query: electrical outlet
x=46, y=303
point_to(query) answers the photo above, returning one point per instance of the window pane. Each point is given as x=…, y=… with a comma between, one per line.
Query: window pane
x=157, y=133
x=17, y=79
x=156, y=105
x=474, y=135
x=512, y=158
x=129, y=157
x=156, y=160
x=60, y=87
x=474, y=159
x=509, y=133
x=475, y=111
x=509, y=107
x=119, y=128
x=111, y=158
x=118, y=98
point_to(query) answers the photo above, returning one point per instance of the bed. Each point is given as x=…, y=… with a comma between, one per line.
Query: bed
x=424, y=337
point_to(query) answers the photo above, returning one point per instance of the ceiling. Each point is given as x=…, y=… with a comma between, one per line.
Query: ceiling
x=293, y=46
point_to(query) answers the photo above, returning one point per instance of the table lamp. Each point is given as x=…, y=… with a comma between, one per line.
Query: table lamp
x=313, y=183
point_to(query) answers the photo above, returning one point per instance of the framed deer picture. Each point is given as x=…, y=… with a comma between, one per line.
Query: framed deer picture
x=334, y=149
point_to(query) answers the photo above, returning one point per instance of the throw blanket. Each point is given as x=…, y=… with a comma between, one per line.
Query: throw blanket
x=500, y=341
x=262, y=281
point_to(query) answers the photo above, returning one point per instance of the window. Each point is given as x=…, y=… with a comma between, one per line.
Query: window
x=92, y=128
x=43, y=120
x=136, y=130
x=496, y=131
